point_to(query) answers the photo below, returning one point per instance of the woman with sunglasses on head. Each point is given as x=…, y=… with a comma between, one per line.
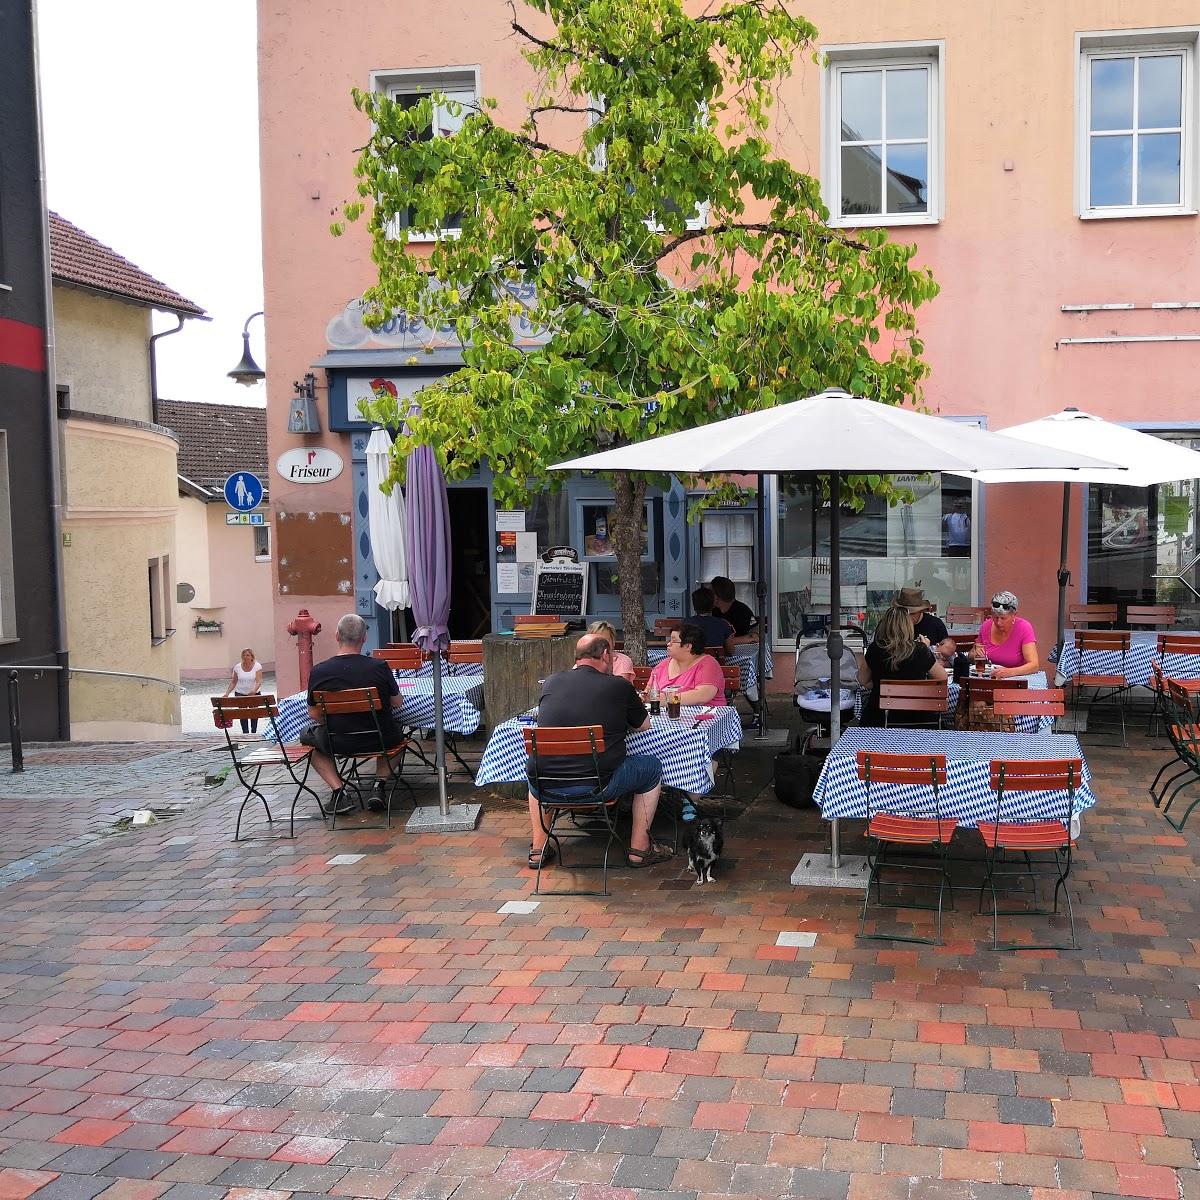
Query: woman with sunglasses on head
x=1007, y=640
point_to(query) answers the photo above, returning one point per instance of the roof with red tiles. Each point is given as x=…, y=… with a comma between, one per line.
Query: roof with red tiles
x=215, y=441
x=78, y=258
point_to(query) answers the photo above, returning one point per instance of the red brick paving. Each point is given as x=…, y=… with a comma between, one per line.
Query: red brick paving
x=199, y=1019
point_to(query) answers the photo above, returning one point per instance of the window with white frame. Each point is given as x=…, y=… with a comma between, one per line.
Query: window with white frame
x=882, y=161
x=458, y=89
x=1137, y=124
x=262, y=543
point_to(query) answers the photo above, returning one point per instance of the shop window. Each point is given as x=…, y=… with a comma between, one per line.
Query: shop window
x=459, y=91
x=262, y=543
x=1136, y=124
x=929, y=543
x=727, y=548
x=882, y=160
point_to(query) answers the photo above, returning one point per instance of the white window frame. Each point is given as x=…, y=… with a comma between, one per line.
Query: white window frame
x=866, y=56
x=1121, y=44
x=407, y=81
x=266, y=532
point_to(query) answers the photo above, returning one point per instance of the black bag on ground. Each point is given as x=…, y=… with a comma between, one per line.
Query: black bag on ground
x=796, y=778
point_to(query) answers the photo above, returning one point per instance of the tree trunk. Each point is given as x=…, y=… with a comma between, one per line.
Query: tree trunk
x=629, y=492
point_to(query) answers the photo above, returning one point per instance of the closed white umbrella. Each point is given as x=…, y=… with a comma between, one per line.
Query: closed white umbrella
x=1146, y=461
x=832, y=433
x=385, y=517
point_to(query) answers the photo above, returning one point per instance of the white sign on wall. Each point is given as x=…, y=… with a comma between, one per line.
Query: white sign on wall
x=316, y=465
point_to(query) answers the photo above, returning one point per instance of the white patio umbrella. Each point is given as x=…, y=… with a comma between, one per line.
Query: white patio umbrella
x=1145, y=460
x=832, y=434
x=385, y=517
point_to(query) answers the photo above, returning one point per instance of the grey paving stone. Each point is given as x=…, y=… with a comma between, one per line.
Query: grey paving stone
x=645, y=1171
x=1025, y=1110
x=918, y=1102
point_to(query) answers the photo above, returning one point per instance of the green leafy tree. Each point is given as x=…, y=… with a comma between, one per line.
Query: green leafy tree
x=583, y=222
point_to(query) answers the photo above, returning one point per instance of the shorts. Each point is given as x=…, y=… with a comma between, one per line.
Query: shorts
x=364, y=743
x=637, y=773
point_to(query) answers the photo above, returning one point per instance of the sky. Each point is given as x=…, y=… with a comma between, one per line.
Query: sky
x=150, y=123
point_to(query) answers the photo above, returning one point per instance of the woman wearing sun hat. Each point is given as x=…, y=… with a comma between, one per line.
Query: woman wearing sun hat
x=1007, y=640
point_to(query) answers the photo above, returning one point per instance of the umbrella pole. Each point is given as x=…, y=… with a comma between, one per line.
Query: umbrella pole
x=439, y=734
x=762, y=609
x=835, y=643
x=1064, y=571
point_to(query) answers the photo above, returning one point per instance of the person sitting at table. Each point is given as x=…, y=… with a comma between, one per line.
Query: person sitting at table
x=718, y=633
x=727, y=605
x=350, y=668
x=896, y=653
x=697, y=676
x=1007, y=640
x=927, y=627
x=589, y=694
x=622, y=664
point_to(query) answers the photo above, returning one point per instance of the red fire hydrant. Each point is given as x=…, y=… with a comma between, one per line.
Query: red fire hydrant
x=304, y=628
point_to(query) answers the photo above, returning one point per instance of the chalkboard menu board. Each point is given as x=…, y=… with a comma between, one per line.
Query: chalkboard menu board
x=560, y=588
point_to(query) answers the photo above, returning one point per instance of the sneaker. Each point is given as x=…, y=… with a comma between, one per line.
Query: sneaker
x=378, y=800
x=339, y=803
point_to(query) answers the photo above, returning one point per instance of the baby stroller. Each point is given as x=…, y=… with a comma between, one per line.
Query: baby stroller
x=811, y=693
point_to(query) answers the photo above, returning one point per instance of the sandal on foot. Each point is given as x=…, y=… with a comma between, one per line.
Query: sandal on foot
x=543, y=857
x=650, y=857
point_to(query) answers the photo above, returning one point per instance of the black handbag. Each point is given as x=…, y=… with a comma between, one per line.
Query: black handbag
x=796, y=779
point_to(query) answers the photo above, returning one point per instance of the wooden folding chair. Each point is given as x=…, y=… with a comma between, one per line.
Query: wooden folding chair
x=916, y=822
x=966, y=614
x=1155, y=616
x=569, y=789
x=717, y=652
x=1031, y=703
x=350, y=750
x=1184, y=735
x=641, y=678
x=249, y=766
x=978, y=695
x=1169, y=652
x=1105, y=684
x=1084, y=616
x=913, y=696
x=963, y=642
x=400, y=657
x=1012, y=831
x=665, y=626
x=464, y=654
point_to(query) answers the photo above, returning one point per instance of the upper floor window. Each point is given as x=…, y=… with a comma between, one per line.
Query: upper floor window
x=882, y=160
x=458, y=91
x=1137, y=124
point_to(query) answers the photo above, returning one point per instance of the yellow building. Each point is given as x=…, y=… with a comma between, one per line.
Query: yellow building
x=120, y=493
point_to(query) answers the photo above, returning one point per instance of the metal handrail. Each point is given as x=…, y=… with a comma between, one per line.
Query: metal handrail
x=14, y=697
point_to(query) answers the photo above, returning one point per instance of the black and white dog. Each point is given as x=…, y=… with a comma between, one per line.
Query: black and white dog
x=704, y=845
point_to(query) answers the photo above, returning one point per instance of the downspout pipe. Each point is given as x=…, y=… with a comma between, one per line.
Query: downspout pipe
x=154, y=365
x=53, y=463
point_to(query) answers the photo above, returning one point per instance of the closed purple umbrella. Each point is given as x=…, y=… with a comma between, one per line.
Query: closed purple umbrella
x=427, y=525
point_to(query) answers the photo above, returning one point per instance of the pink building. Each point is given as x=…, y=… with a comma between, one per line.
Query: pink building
x=1044, y=164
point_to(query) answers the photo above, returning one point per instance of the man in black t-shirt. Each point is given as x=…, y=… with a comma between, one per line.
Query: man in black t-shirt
x=590, y=694
x=727, y=605
x=926, y=627
x=350, y=668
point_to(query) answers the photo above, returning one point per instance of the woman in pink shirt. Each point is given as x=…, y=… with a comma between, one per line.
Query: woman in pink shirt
x=1007, y=640
x=697, y=675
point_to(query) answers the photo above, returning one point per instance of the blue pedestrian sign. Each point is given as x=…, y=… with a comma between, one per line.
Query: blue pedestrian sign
x=243, y=491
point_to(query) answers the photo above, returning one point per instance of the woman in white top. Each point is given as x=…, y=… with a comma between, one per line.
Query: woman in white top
x=246, y=680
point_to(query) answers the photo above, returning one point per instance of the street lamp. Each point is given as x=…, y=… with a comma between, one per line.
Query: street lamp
x=247, y=371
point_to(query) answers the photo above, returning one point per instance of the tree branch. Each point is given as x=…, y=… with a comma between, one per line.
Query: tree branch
x=692, y=235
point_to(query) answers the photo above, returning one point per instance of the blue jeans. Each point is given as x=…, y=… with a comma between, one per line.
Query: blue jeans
x=637, y=773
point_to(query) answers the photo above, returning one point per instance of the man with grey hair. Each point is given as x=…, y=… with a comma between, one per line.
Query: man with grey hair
x=590, y=694
x=350, y=668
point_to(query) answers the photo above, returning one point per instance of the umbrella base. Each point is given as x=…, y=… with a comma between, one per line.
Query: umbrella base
x=461, y=818
x=813, y=870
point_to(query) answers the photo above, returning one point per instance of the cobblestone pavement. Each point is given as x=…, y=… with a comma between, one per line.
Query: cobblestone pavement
x=188, y=1018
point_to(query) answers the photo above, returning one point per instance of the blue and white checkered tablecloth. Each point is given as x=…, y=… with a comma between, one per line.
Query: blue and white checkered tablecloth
x=449, y=671
x=744, y=657
x=968, y=794
x=462, y=698
x=1142, y=645
x=1037, y=681
x=684, y=748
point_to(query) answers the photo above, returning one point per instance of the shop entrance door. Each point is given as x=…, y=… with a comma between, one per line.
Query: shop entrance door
x=470, y=563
